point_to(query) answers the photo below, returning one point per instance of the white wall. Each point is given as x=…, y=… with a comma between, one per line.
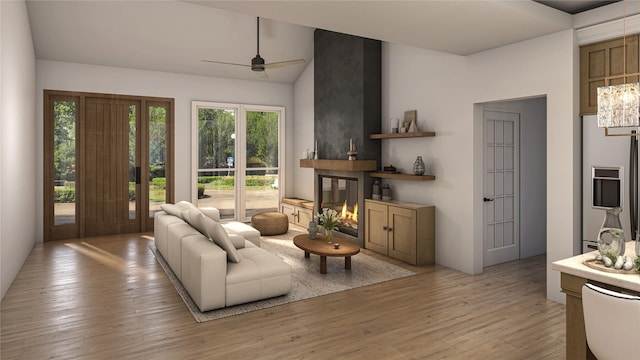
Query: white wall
x=302, y=186
x=184, y=88
x=544, y=66
x=533, y=178
x=447, y=91
x=18, y=220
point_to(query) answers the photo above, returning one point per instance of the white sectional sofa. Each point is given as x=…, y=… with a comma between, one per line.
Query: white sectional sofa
x=219, y=264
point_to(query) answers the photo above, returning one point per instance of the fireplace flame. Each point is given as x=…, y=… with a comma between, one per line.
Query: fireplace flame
x=348, y=216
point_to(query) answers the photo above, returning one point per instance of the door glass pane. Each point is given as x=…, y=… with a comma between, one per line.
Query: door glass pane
x=157, y=158
x=132, y=161
x=261, y=185
x=216, y=160
x=64, y=160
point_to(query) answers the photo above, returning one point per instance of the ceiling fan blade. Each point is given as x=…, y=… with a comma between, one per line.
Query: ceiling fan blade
x=283, y=63
x=225, y=63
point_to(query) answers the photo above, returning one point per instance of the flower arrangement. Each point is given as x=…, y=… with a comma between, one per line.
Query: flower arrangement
x=329, y=220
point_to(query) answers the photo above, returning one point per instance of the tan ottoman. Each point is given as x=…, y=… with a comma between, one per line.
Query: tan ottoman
x=270, y=223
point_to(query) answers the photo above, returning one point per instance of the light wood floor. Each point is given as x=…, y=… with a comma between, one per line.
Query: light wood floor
x=107, y=297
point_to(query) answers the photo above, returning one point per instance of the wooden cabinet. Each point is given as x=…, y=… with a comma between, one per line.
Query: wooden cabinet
x=603, y=64
x=299, y=211
x=401, y=230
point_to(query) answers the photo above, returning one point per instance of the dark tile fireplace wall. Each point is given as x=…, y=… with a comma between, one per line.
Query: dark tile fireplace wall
x=347, y=98
x=347, y=94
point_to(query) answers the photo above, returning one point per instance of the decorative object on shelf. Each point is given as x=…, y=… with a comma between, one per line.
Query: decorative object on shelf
x=312, y=229
x=611, y=241
x=386, y=192
x=353, y=154
x=413, y=127
x=375, y=194
x=328, y=219
x=410, y=117
x=305, y=154
x=389, y=169
x=315, y=153
x=394, y=125
x=418, y=166
x=403, y=129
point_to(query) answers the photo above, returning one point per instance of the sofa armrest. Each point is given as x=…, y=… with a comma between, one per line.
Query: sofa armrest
x=204, y=272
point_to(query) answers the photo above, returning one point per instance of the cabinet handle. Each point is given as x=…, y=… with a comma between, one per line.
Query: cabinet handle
x=385, y=228
x=389, y=229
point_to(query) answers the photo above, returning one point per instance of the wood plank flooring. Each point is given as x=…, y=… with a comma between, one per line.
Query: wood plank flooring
x=107, y=297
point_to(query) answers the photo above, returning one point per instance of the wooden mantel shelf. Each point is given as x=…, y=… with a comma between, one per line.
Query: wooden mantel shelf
x=339, y=165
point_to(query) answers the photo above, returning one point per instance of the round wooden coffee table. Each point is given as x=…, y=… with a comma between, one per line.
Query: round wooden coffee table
x=320, y=247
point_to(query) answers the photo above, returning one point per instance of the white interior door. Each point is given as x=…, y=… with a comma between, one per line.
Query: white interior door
x=501, y=192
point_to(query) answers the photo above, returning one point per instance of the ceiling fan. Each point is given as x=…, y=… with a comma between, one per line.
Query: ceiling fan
x=258, y=63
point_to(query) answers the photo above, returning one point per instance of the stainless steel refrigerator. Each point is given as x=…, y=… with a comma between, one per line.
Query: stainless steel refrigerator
x=608, y=152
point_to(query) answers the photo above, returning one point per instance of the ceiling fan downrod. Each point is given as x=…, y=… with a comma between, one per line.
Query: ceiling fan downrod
x=257, y=63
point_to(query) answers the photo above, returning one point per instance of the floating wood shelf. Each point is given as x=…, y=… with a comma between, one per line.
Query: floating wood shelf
x=340, y=165
x=402, y=135
x=384, y=175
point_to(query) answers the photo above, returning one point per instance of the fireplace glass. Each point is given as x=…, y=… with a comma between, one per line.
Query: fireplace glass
x=341, y=194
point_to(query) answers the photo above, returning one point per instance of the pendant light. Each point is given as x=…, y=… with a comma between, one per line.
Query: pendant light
x=619, y=105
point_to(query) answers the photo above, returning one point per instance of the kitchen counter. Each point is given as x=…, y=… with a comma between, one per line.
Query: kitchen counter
x=574, y=266
x=573, y=275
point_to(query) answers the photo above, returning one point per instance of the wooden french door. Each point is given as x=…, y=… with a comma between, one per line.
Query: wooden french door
x=108, y=163
x=110, y=128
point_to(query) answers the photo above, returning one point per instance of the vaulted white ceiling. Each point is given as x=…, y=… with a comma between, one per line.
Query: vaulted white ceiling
x=174, y=36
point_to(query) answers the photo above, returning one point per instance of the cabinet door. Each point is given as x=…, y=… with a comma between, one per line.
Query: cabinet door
x=376, y=237
x=290, y=211
x=402, y=237
x=304, y=216
x=605, y=63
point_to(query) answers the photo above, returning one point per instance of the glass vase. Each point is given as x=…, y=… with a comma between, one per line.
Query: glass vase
x=638, y=243
x=312, y=229
x=418, y=166
x=328, y=236
x=611, y=241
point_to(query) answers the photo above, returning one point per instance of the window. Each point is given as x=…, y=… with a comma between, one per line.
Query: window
x=236, y=158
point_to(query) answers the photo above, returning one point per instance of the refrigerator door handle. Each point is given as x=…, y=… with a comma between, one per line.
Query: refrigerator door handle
x=633, y=186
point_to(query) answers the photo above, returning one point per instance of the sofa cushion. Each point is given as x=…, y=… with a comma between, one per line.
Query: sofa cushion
x=184, y=205
x=238, y=241
x=211, y=212
x=172, y=209
x=195, y=218
x=219, y=236
x=249, y=233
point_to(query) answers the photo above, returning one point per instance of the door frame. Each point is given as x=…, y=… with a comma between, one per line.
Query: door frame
x=77, y=230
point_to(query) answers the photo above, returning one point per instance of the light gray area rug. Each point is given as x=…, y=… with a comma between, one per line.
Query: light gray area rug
x=306, y=280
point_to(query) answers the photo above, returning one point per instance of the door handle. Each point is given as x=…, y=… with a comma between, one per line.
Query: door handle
x=487, y=199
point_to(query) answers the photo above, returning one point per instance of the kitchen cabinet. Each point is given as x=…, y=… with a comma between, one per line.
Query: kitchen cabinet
x=299, y=211
x=604, y=63
x=401, y=230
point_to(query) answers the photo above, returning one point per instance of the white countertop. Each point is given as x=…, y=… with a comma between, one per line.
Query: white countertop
x=574, y=266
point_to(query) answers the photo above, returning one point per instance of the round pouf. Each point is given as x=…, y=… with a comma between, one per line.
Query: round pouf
x=270, y=223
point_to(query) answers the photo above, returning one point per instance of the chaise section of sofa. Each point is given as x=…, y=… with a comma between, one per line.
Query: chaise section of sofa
x=220, y=270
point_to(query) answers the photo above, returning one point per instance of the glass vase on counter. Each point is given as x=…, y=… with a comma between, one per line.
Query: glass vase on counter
x=611, y=241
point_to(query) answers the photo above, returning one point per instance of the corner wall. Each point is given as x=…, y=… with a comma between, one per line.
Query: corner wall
x=18, y=220
x=302, y=185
